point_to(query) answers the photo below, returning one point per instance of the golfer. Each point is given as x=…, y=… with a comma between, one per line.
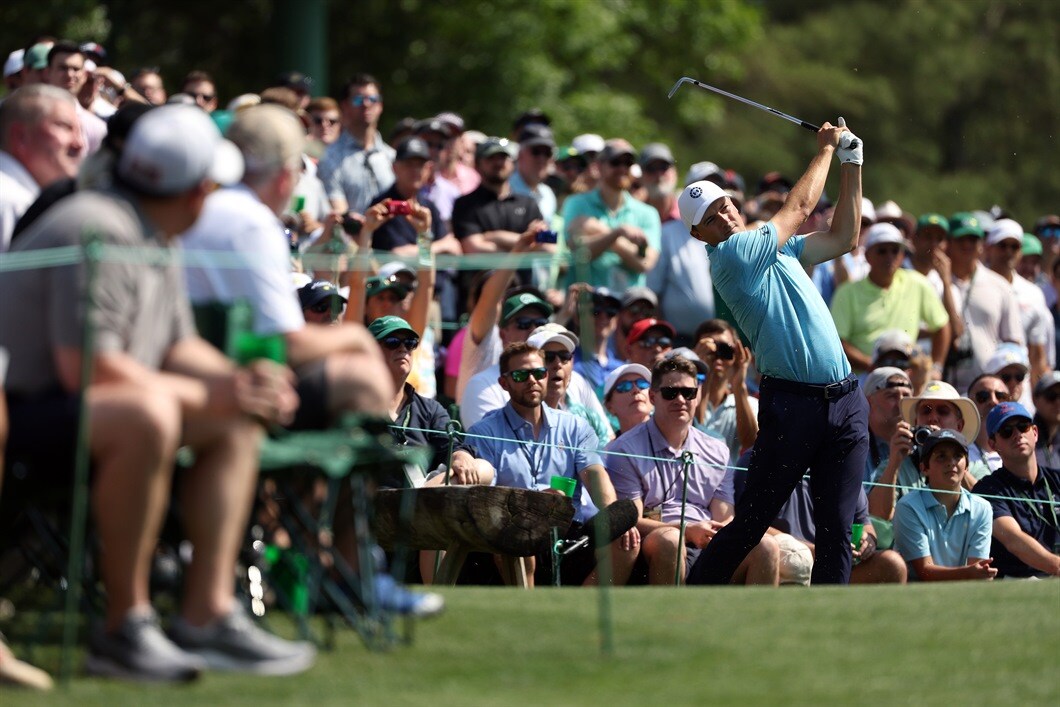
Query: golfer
x=811, y=415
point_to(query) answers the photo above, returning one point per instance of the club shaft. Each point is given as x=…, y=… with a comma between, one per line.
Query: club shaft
x=741, y=99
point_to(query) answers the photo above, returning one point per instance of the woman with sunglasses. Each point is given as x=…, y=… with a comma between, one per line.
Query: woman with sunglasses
x=626, y=396
x=1047, y=419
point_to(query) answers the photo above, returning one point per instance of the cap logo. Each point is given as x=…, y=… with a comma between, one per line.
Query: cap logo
x=695, y=192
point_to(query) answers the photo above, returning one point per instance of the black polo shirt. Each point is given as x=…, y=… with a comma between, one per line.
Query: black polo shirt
x=1039, y=520
x=481, y=211
x=425, y=414
x=398, y=231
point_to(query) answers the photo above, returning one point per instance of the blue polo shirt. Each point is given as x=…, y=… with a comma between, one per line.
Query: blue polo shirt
x=777, y=307
x=607, y=269
x=567, y=445
x=1038, y=520
x=922, y=528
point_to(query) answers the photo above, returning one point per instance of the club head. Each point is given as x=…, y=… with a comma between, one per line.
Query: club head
x=682, y=80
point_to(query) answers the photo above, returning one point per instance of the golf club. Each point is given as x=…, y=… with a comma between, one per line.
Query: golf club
x=741, y=99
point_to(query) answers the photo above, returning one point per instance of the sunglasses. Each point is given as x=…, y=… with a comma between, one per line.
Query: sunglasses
x=521, y=375
x=1049, y=232
x=359, y=101
x=526, y=323
x=325, y=121
x=326, y=307
x=1012, y=377
x=651, y=341
x=641, y=310
x=626, y=162
x=942, y=410
x=626, y=386
x=394, y=342
x=671, y=392
x=1050, y=395
x=983, y=396
x=552, y=356
x=899, y=362
x=204, y=96
x=609, y=311
x=1021, y=426
x=656, y=167
x=541, y=151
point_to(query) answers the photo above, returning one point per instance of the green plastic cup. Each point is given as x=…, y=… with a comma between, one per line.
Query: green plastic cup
x=564, y=484
x=298, y=204
x=250, y=346
x=856, y=531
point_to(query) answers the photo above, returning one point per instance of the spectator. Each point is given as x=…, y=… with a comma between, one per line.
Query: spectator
x=939, y=407
x=40, y=144
x=596, y=365
x=1047, y=229
x=986, y=391
x=1004, y=242
x=638, y=304
x=200, y=87
x=895, y=348
x=726, y=408
x=557, y=348
x=156, y=386
x=13, y=70
x=626, y=396
x=659, y=487
x=357, y=166
x=528, y=443
x=1010, y=364
x=298, y=82
x=322, y=303
x=537, y=147
x=890, y=212
x=987, y=305
x=659, y=170
x=943, y=531
x=570, y=165
x=590, y=145
x=66, y=70
x=1026, y=535
x=928, y=257
x=439, y=137
x=618, y=234
x=147, y=81
x=325, y=123
x=649, y=340
x=1047, y=418
x=885, y=388
x=1029, y=267
x=451, y=163
x=35, y=62
x=888, y=298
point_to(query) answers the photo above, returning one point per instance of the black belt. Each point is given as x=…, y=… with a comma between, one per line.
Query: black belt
x=830, y=391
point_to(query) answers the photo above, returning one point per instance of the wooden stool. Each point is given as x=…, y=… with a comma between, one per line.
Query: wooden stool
x=510, y=522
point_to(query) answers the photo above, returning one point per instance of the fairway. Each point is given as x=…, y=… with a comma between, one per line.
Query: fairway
x=956, y=644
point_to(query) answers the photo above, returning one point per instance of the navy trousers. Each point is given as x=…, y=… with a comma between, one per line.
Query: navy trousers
x=824, y=429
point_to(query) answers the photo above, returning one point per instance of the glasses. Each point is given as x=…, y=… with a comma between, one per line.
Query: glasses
x=359, y=101
x=643, y=311
x=983, y=396
x=660, y=341
x=527, y=323
x=1021, y=426
x=394, y=342
x=609, y=311
x=626, y=386
x=671, y=392
x=1010, y=378
x=320, y=120
x=942, y=410
x=1050, y=395
x=900, y=362
x=626, y=162
x=656, y=167
x=521, y=375
x=325, y=307
x=552, y=356
x=541, y=151
x=1049, y=232
x=207, y=97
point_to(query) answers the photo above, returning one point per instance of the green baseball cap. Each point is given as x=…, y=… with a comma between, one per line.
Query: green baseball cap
x=1031, y=245
x=37, y=56
x=516, y=303
x=569, y=152
x=385, y=326
x=965, y=223
x=376, y=285
x=928, y=220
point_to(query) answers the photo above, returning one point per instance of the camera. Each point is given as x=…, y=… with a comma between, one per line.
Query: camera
x=547, y=236
x=724, y=351
x=396, y=207
x=920, y=436
x=351, y=225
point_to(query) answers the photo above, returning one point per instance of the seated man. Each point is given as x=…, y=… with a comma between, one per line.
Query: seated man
x=626, y=396
x=657, y=488
x=557, y=346
x=648, y=341
x=1026, y=535
x=943, y=531
x=155, y=385
x=528, y=443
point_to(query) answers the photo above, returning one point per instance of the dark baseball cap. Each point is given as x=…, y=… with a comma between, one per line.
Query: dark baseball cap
x=294, y=80
x=317, y=291
x=656, y=151
x=940, y=436
x=412, y=148
x=534, y=115
x=536, y=134
x=494, y=146
x=616, y=148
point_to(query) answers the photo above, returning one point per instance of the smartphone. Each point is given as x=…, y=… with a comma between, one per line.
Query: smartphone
x=396, y=207
x=351, y=225
x=547, y=236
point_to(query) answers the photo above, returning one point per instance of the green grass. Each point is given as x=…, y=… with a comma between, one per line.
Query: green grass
x=955, y=644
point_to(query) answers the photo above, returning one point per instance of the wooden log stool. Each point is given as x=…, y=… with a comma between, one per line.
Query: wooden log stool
x=510, y=522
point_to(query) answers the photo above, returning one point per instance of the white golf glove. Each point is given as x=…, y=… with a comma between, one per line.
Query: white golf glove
x=851, y=147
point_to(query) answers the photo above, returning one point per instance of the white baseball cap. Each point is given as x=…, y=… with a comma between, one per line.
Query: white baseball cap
x=888, y=210
x=14, y=63
x=881, y=233
x=174, y=147
x=1003, y=230
x=542, y=336
x=695, y=199
x=613, y=376
x=589, y=142
x=868, y=211
x=1008, y=354
x=700, y=171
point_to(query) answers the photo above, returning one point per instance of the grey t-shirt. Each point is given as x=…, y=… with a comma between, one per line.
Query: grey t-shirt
x=139, y=308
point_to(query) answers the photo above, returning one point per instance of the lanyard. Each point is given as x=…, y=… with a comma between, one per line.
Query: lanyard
x=524, y=447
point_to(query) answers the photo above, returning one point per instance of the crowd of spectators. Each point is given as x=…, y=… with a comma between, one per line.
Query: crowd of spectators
x=595, y=331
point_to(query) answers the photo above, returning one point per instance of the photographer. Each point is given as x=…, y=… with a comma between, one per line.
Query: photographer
x=726, y=408
x=938, y=407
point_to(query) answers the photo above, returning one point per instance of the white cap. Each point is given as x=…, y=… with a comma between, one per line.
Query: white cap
x=589, y=142
x=701, y=170
x=300, y=280
x=392, y=268
x=613, y=376
x=1007, y=354
x=1004, y=229
x=796, y=560
x=880, y=379
x=888, y=210
x=554, y=328
x=14, y=64
x=695, y=199
x=881, y=233
x=543, y=335
x=868, y=211
x=90, y=66
x=893, y=340
x=172, y=148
